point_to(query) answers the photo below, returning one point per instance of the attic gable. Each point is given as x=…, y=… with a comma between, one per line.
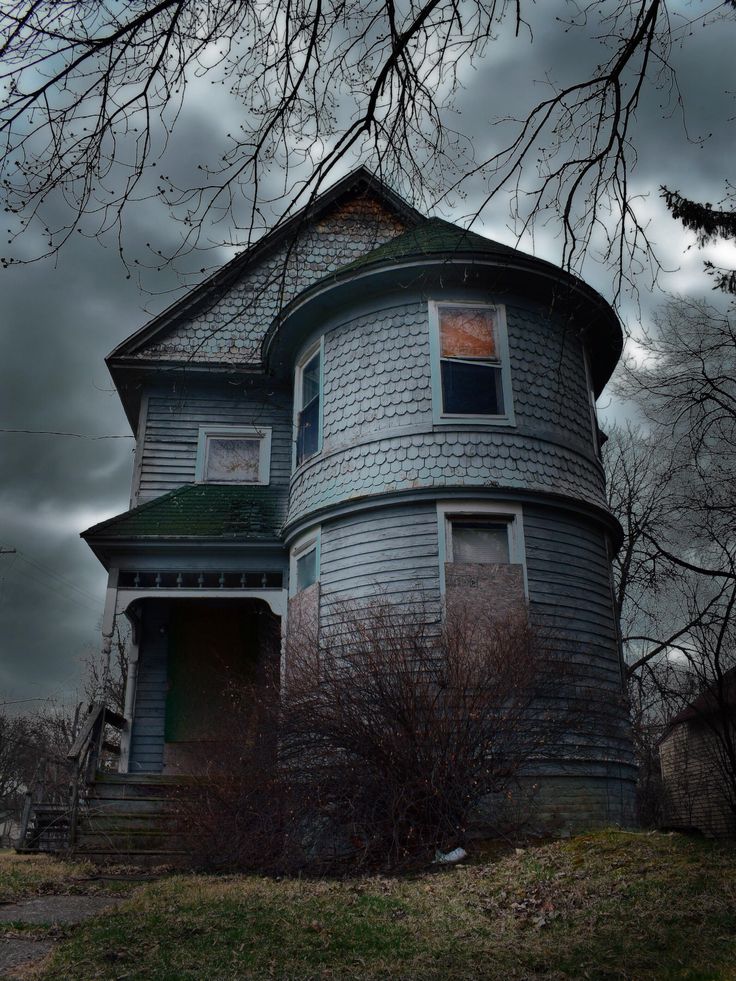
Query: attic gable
x=222, y=322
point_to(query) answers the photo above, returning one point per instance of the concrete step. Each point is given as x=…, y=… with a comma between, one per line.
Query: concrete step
x=126, y=822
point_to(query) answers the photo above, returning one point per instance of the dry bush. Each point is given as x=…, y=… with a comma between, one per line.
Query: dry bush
x=229, y=810
x=390, y=730
x=397, y=727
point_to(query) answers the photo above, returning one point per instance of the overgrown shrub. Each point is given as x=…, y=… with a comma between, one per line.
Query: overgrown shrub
x=388, y=732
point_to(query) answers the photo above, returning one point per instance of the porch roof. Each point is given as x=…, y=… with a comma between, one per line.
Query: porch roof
x=219, y=511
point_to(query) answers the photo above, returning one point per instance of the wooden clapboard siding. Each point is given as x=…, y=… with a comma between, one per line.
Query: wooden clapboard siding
x=389, y=552
x=169, y=446
x=147, y=736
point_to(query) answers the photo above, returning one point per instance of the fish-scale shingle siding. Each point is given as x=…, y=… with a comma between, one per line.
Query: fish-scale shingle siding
x=378, y=434
x=377, y=375
x=230, y=328
x=548, y=376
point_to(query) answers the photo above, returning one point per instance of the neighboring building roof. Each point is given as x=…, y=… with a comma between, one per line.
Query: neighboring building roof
x=224, y=511
x=708, y=702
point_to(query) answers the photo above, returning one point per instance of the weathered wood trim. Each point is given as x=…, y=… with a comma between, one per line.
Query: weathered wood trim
x=139, y=446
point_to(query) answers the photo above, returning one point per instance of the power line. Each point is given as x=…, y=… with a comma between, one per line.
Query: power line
x=66, y=597
x=51, y=432
x=56, y=575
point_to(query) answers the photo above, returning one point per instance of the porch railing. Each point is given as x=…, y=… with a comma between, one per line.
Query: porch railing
x=50, y=811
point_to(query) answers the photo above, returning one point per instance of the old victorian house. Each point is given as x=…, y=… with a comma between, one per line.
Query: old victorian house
x=367, y=399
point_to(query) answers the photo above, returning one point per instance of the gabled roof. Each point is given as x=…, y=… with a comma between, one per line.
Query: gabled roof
x=186, y=306
x=209, y=511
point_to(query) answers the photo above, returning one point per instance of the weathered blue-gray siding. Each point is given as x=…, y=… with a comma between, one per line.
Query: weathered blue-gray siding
x=169, y=455
x=147, y=735
x=389, y=553
x=393, y=552
x=378, y=432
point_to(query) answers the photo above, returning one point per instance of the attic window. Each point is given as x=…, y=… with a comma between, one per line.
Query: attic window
x=470, y=363
x=234, y=455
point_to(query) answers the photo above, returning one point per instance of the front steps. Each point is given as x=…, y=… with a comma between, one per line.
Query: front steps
x=130, y=819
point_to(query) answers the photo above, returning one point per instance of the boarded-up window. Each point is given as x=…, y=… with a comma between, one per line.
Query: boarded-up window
x=470, y=365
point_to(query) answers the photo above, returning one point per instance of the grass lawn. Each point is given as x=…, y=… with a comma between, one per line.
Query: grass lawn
x=608, y=905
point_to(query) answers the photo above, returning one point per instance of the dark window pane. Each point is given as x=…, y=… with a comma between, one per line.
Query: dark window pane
x=486, y=542
x=307, y=437
x=471, y=389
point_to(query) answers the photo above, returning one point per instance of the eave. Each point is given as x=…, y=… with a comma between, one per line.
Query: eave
x=508, y=271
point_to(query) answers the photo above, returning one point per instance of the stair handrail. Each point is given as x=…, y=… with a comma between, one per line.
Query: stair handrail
x=85, y=753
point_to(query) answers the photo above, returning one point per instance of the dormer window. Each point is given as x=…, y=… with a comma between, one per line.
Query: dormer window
x=234, y=455
x=470, y=363
x=308, y=405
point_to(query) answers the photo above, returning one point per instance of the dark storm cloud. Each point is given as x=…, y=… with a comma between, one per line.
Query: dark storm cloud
x=60, y=320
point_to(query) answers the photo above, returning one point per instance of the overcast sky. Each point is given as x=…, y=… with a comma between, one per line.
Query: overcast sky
x=60, y=318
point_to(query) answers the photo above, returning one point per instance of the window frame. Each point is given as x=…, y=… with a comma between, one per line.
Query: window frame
x=302, y=362
x=493, y=511
x=262, y=433
x=439, y=416
x=593, y=407
x=304, y=544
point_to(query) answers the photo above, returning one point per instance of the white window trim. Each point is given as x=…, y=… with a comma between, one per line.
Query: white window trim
x=302, y=361
x=439, y=416
x=512, y=513
x=263, y=433
x=311, y=539
x=595, y=425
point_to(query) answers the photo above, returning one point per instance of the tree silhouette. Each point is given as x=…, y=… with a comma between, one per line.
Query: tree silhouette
x=92, y=93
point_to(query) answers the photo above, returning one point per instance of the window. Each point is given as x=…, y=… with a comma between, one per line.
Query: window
x=470, y=362
x=234, y=455
x=480, y=540
x=482, y=533
x=599, y=438
x=304, y=563
x=308, y=405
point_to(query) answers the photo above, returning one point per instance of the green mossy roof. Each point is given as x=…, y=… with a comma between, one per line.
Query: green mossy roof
x=224, y=511
x=431, y=237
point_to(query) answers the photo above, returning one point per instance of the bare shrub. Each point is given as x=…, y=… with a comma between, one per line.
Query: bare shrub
x=229, y=809
x=397, y=727
x=389, y=731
